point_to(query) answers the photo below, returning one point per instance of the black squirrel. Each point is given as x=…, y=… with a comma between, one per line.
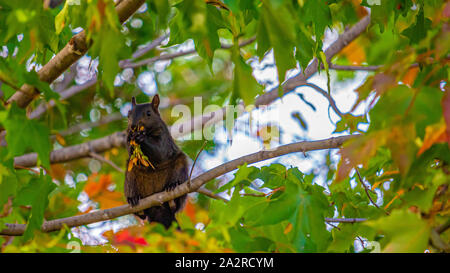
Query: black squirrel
x=168, y=164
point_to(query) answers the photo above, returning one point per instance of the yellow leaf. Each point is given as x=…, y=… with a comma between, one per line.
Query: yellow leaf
x=130, y=165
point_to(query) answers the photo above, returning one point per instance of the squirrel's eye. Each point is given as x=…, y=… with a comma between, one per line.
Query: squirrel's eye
x=148, y=113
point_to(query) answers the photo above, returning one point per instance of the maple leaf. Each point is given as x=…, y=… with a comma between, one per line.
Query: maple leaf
x=100, y=192
x=358, y=151
x=418, y=31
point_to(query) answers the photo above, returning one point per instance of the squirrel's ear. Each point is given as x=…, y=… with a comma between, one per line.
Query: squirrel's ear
x=133, y=102
x=155, y=102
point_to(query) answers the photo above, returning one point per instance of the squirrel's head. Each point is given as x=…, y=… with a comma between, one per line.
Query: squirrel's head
x=145, y=114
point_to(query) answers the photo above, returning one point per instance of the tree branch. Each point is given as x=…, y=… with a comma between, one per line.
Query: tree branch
x=116, y=116
x=77, y=151
x=174, y=55
x=109, y=162
x=69, y=92
x=355, y=67
x=73, y=51
x=182, y=189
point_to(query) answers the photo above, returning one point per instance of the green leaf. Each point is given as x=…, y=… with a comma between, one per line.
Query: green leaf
x=343, y=238
x=273, y=175
x=349, y=122
x=243, y=241
x=280, y=31
x=243, y=176
x=206, y=44
x=227, y=215
x=60, y=18
x=304, y=50
x=23, y=133
x=323, y=60
x=405, y=232
x=109, y=45
x=318, y=13
x=309, y=232
x=35, y=193
x=244, y=85
x=419, y=29
x=274, y=211
x=8, y=185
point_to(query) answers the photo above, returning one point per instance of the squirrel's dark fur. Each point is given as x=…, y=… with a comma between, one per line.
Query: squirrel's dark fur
x=170, y=163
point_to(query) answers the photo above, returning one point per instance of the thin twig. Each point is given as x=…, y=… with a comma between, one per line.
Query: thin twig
x=103, y=159
x=355, y=67
x=142, y=51
x=345, y=220
x=367, y=191
x=173, y=55
x=87, y=125
x=336, y=227
x=440, y=229
x=254, y=194
x=437, y=241
x=209, y=193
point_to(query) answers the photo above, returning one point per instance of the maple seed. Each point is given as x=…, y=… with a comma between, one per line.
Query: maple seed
x=138, y=156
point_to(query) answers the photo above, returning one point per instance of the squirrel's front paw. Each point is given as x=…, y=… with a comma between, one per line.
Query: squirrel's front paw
x=134, y=200
x=140, y=137
x=171, y=187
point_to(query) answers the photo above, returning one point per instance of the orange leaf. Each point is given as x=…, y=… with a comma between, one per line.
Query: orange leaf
x=433, y=134
x=358, y=151
x=360, y=10
x=354, y=53
x=410, y=76
x=60, y=139
x=189, y=209
x=376, y=184
x=109, y=199
x=97, y=190
x=57, y=171
x=400, y=142
x=399, y=193
x=288, y=228
x=192, y=242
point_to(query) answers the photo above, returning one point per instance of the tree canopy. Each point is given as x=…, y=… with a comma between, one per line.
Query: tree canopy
x=68, y=71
